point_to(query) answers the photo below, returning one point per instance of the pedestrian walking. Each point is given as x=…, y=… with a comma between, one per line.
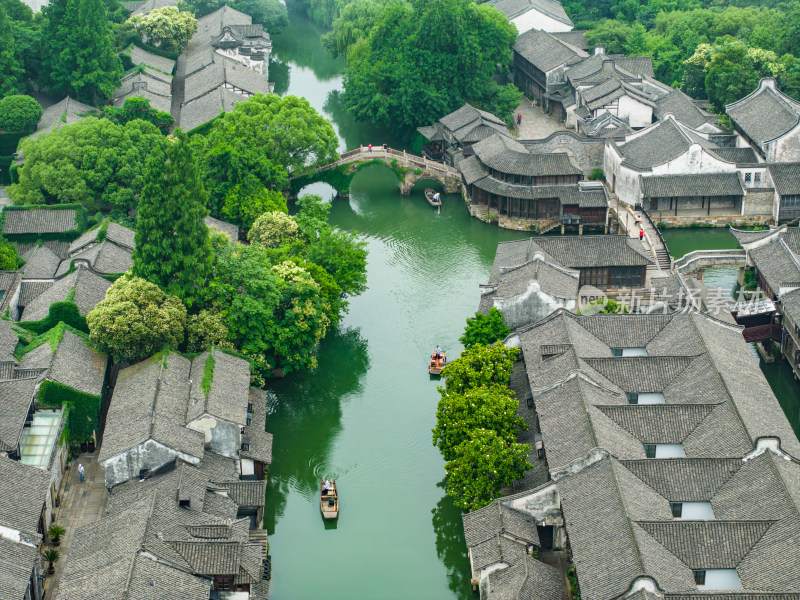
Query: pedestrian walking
x=519, y=119
x=370, y=148
x=641, y=234
x=80, y=472
x=385, y=147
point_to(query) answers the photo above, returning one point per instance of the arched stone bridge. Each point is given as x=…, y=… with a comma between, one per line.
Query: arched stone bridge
x=416, y=167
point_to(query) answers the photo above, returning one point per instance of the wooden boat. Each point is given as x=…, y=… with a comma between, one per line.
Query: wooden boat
x=429, y=192
x=329, y=501
x=437, y=364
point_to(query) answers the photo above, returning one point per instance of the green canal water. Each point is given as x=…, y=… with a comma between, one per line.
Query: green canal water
x=364, y=417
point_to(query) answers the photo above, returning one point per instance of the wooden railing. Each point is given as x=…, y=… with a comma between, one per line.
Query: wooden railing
x=402, y=157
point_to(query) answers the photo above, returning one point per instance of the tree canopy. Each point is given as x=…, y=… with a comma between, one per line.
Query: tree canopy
x=485, y=407
x=484, y=329
x=94, y=161
x=408, y=72
x=484, y=463
x=11, y=68
x=139, y=108
x=173, y=249
x=19, y=113
x=166, y=28
x=84, y=61
x=135, y=320
x=480, y=366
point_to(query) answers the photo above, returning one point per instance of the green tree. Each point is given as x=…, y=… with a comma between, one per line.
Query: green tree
x=243, y=206
x=166, y=28
x=735, y=70
x=10, y=259
x=206, y=329
x=173, y=249
x=274, y=229
x=483, y=465
x=94, y=161
x=486, y=407
x=408, y=73
x=354, y=24
x=19, y=113
x=135, y=320
x=139, y=108
x=85, y=64
x=612, y=35
x=11, y=81
x=484, y=329
x=694, y=72
x=480, y=366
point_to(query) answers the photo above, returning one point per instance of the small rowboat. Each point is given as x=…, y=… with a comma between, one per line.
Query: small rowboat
x=329, y=500
x=437, y=363
x=429, y=193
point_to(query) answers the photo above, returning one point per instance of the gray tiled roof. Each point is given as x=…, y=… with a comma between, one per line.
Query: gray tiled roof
x=703, y=184
x=23, y=490
x=8, y=340
x=89, y=290
x=546, y=52
x=736, y=155
x=641, y=374
x=610, y=90
x=594, y=250
x=509, y=156
x=777, y=261
x=658, y=423
x=40, y=263
x=72, y=363
x=16, y=397
x=16, y=566
x=786, y=178
x=230, y=385
x=765, y=114
x=145, y=7
x=150, y=402
x=682, y=107
x=165, y=65
x=661, y=143
x=31, y=289
x=468, y=115
x=260, y=439
x=515, y=8
x=708, y=544
x=222, y=71
x=38, y=220
x=231, y=230
x=685, y=479
x=573, y=38
x=65, y=112
x=153, y=85
x=201, y=110
x=104, y=258
x=637, y=65
x=746, y=237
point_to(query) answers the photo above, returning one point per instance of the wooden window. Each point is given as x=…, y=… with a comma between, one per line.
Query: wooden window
x=616, y=352
x=633, y=398
x=676, y=508
x=626, y=276
x=700, y=576
x=650, y=450
x=748, y=177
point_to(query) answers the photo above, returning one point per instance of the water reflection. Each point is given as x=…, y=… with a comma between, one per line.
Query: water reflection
x=304, y=414
x=279, y=75
x=446, y=522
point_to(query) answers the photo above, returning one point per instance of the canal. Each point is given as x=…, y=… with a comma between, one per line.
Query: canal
x=365, y=415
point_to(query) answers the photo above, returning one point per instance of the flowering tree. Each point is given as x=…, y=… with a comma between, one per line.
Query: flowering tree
x=484, y=329
x=166, y=28
x=484, y=464
x=480, y=366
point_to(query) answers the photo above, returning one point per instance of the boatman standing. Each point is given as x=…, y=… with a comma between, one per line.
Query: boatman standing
x=436, y=197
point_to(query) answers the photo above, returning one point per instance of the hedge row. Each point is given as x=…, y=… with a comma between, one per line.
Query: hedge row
x=84, y=409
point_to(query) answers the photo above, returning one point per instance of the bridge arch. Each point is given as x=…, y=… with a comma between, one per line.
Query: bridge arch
x=409, y=169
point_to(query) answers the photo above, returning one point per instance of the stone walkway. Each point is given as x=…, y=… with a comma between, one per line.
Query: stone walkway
x=81, y=503
x=535, y=124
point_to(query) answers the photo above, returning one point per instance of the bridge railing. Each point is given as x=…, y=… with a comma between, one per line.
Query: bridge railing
x=402, y=157
x=697, y=258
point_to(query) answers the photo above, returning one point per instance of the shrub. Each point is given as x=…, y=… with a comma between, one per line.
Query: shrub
x=19, y=113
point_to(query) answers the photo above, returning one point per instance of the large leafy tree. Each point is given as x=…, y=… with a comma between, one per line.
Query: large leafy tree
x=480, y=366
x=483, y=465
x=355, y=22
x=166, y=28
x=486, y=407
x=244, y=205
x=139, y=108
x=94, y=161
x=410, y=72
x=173, y=249
x=19, y=113
x=84, y=61
x=484, y=329
x=11, y=69
x=135, y=320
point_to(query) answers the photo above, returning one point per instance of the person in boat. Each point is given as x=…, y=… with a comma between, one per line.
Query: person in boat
x=436, y=197
x=438, y=352
x=326, y=487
